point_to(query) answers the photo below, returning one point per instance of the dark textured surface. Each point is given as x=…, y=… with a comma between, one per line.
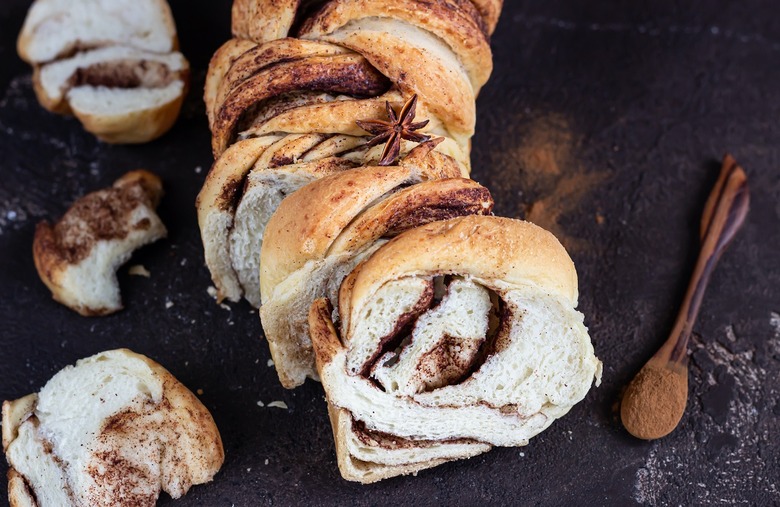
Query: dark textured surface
x=604, y=121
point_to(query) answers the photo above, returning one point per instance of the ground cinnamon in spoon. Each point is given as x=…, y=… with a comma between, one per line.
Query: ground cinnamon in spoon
x=655, y=400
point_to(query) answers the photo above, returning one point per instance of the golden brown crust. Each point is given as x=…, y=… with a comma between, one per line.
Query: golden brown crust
x=420, y=204
x=257, y=58
x=450, y=21
x=308, y=221
x=20, y=494
x=135, y=127
x=14, y=413
x=263, y=20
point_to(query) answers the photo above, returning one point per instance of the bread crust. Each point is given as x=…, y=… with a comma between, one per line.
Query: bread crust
x=339, y=217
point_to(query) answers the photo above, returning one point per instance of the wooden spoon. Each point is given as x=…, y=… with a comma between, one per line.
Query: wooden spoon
x=655, y=400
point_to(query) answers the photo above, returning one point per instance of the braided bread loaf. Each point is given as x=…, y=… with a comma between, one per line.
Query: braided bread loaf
x=437, y=331
x=282, y=110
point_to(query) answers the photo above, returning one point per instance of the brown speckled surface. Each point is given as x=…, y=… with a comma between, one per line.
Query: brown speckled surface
x=604, y=121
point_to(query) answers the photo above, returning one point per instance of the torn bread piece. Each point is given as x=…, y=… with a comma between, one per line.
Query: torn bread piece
x=115, y=429
x=78, y=257
x=111, y=64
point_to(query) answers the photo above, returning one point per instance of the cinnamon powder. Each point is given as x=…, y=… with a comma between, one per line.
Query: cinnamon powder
x=654, y=402
x=551, y=172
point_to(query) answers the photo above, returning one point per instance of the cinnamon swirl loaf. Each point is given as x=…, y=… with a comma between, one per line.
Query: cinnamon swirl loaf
x=453, y=337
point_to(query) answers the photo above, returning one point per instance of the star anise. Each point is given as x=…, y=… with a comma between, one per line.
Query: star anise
x=399, y=127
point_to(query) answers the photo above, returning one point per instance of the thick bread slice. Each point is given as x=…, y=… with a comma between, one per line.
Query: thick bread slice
x=454, y=375
x=54, y=28
x=120, y=94
x=111, y=64
x=115, y=429
x=77, y=258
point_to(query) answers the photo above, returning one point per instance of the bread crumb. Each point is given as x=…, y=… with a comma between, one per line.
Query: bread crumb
x=278, y=404
x=168, y=304
x=198, y=169
x=266, y=461
x=599, y=218
x=249, y=469
x=270, y=363
x=212, y=291
x=183, y=262
x=260, y=404
x=225, y=307
x=139, y=270
x=522, y=454
x=200, y=392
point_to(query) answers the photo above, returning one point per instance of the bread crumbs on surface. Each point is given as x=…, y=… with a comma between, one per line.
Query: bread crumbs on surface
x=212, y=291
x=139, y=270
x=278, y=404
x=270, y=363
x=168, y=304
x=200, y=392
x=225, y=307
x=260, y=404
x=266, y=461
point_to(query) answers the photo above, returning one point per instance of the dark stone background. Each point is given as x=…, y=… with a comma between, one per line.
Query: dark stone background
x=604, y=121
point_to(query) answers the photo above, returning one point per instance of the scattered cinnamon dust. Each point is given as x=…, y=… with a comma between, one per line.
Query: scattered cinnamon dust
x=551, y=173
x=654, y=402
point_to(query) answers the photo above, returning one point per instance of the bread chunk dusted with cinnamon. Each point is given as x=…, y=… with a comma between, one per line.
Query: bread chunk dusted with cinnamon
x=77, y=258
x=113, y=430
x=114, y=65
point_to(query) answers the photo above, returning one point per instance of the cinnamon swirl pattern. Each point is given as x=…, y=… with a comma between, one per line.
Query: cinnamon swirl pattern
x=453, y=337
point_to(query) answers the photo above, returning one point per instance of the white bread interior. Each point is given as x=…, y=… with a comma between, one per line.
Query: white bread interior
x=115, y=429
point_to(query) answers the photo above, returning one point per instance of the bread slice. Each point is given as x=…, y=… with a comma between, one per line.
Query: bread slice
x=112, y=65
x=78, y=257
x=459, y=331
x=115, y=429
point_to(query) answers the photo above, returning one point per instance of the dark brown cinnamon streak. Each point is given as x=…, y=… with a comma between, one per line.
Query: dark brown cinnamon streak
x=341, y=74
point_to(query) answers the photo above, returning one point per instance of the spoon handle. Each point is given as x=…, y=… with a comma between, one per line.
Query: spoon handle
x=724, y=214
